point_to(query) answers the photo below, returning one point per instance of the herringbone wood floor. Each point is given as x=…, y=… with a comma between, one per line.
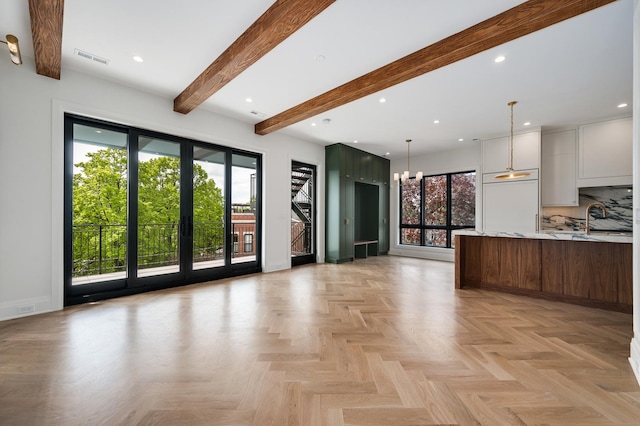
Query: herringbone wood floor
x=381, y=341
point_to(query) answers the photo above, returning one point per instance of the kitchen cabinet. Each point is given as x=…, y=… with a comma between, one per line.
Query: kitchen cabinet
x=596, y=274
x=605, y=153
x=526, y=153
x=347, y=167
x=510, y=205
x=558, y=186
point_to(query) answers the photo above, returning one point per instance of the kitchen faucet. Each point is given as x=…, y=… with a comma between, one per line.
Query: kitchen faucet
x=589, y=207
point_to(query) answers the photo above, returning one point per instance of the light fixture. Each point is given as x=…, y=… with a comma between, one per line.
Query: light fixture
x=405, y=175
x=499, y=59
x=510, y=173
x=622, y=105
x=14, y=49
x=138, y=59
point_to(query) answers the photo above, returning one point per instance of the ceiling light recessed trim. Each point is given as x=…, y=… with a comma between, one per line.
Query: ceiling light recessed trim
x=500, y=58
x=138, y=59
x=382, y=100
x=622, y=105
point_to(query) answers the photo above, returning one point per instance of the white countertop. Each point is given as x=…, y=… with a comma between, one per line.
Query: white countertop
x=612, y=237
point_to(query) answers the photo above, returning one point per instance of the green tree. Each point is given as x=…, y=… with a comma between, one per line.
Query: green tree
x=100, y=211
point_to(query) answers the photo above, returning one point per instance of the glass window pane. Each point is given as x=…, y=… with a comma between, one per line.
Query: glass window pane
x=435, y=202
x=410, y=236
x=435, y=237
x=100, y=173
x=158, y=206
x=243, y=204
x=463, y=199
x=208, y=208
x=410, y=199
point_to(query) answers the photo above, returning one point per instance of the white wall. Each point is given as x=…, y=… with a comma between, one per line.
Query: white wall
x=431, y=164
x=635, y=342
x=31, y=172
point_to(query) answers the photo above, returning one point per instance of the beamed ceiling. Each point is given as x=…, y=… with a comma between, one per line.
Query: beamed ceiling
x=305, y=63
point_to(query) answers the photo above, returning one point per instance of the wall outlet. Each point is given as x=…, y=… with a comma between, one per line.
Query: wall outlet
x=26, y=309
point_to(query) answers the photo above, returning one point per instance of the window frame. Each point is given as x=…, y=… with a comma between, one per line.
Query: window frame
x=422, y=227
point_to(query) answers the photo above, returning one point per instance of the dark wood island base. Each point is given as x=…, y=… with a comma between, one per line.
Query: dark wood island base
x=596, y=274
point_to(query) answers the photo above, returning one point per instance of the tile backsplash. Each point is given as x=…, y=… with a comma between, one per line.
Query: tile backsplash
x=617, y=199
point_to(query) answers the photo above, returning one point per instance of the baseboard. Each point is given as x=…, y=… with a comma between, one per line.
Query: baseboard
x=634, y=359
x=25, y=307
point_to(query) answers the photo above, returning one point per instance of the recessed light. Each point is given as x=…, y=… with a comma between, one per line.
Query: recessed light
x=527, y=123
x=138, y=58
x=249, y=100
x=98, y=131
x=355, y=141
x=460, y=140
x=383, y=100
x=623, y=105
x=387, y=153
x=436, y=121
x=313, y=124
x=499, y=59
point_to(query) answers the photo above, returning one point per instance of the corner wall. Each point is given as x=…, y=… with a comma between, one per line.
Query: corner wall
x=31, y=173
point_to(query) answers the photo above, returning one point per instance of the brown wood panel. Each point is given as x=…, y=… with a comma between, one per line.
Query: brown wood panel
x=490, y=264
x=592, y=271
x=624, y=263
x=528, y=263
x=516, y=22
x=46, y=32
x=473, y=261
x=281, y=20
x=553, y=259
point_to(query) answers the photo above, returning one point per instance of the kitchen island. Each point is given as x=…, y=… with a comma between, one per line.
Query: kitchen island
x=592, y=270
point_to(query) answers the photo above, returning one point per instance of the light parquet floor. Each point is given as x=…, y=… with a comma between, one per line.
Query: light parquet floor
x=381, y=341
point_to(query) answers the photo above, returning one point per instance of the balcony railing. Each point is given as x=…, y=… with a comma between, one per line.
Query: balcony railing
x=102, y=249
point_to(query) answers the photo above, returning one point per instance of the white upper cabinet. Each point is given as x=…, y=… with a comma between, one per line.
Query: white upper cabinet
x=558, y=172
x=605, y=153
x=526, y=153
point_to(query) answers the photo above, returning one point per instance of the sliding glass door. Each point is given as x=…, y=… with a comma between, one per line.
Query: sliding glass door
x=145, y=210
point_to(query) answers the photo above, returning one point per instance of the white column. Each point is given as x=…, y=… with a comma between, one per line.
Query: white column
x=634, y=359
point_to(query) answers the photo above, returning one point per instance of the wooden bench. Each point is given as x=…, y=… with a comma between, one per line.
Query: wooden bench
x=362, y=249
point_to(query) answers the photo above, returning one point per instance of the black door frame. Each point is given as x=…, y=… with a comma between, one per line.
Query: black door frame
x=187, y=275
x=311, y=257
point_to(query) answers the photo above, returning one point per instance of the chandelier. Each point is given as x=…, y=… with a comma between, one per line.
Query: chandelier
x=405, y=175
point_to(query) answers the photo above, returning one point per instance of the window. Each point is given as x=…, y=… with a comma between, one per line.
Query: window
x=248, y=243
x=235, y=242
x=434, y=206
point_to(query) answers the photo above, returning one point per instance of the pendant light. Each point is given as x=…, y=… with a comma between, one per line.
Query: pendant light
x=405, y=175
x=510, y=174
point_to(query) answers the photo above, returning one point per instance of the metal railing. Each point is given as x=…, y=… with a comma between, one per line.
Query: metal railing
x=102, y=249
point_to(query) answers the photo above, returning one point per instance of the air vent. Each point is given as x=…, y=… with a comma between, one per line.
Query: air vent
x=91, y=57
x=259, y=114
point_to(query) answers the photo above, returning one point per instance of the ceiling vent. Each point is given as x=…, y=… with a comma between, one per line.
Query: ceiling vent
x=259, y=114
x=91, y=57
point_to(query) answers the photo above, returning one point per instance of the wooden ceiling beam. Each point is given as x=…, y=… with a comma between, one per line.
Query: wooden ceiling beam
x=516, y=22
x=46, y=31
x=281, y=20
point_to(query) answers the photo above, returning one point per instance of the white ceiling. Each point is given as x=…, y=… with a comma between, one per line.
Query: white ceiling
x=573, y=72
